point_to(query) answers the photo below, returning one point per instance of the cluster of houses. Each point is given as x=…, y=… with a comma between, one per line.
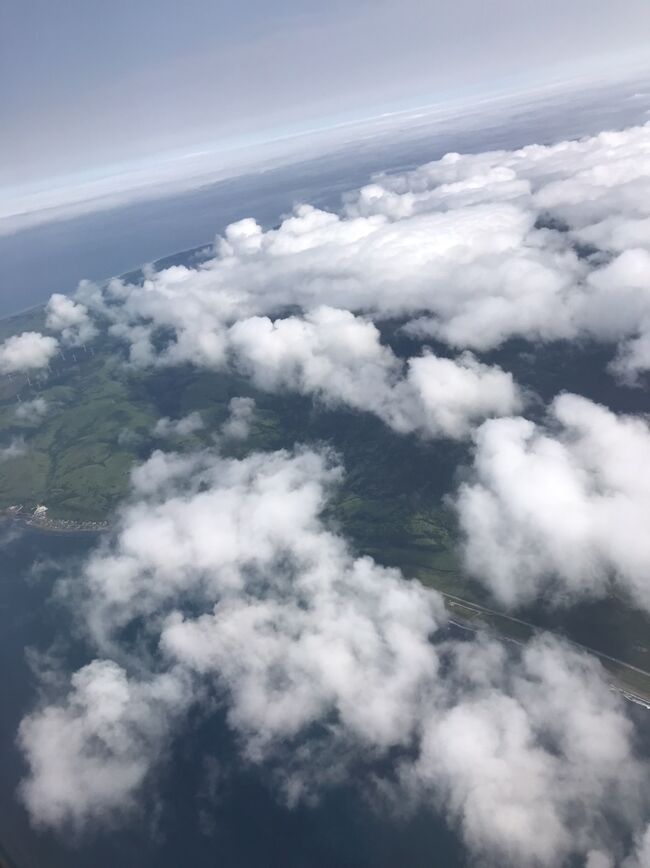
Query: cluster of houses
x=39, y=518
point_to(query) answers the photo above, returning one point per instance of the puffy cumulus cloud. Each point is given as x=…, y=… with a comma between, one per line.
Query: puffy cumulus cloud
x=560, y=511
x=526, y=745
x=339, y=358
x=31, y=411
x=189, y=424
x=597, y=186
x=238, y=424
x=619, y=303
x=182, y=302
x=329, y=351
x=475, y=248
x=443, y=262
x=594, y=190
x=452, y=395
x=70, y=318
x=325, y=663
x=222, y=518
x=90, y=753
x=26, y=352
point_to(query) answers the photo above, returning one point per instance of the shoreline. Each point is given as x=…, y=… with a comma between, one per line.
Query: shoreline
x=102, y=281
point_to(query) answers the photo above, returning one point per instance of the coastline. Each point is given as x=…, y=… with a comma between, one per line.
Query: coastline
x=157, y=263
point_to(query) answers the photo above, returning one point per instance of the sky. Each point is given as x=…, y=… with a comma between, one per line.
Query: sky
x=115, y=84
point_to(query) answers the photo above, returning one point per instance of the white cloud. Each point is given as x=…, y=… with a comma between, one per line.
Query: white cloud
x=515, y=762
x=322, y=659
x=238, y=424
x=446, y=262
x=26, y=352
x=90, y=754
x=452, y=395
x=560, y=511
x=189, y=424
x=477, y=248
x=31, y=411
x=70, y=318
x=340, y=359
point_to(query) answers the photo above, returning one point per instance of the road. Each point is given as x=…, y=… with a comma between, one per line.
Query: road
x=624, y=690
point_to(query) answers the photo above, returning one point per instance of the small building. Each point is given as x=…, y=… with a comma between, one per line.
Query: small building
x=40, y=511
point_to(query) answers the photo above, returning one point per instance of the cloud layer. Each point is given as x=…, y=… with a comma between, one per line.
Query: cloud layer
x=542, y=243
x=70, y=319
x=339, y=358
x=325, y=663
x=560, y=511
x=90, y=755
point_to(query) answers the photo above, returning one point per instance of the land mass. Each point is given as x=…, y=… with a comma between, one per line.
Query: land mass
x=75, y=457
